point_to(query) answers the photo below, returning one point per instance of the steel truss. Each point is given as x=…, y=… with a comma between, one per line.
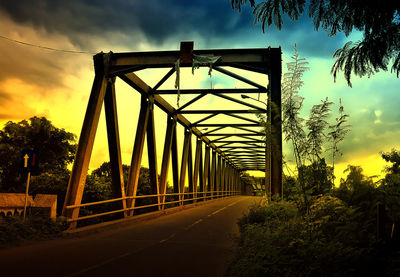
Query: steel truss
x=225, y=156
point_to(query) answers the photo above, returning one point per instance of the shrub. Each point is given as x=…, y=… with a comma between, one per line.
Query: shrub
x=330, y=241
x=270, y=215
x=13, y=230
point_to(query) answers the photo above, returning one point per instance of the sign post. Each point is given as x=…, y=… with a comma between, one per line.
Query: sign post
x=26, y=193
x=30, y=164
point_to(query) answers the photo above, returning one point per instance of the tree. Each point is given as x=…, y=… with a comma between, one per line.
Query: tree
x=390, y=189
x=392, y=157
x=316, y=125
x=357, y=189
x=104, y=170
x=379, y=23
x=337, y=134
x=56, y=149
x=317, y=178
x=292, y=103
x=292, y=124
x=144, y=185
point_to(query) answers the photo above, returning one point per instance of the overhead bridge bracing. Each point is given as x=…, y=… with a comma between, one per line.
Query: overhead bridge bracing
x=220, y=154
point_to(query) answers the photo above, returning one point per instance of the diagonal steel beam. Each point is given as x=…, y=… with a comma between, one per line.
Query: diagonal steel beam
x=162, y=81
x=239, y=101
x=190, y=102
x=238, y=77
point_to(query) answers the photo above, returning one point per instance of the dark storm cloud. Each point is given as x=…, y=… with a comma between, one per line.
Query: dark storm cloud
x=157, y=19
x=23, y=63
x=160, y=20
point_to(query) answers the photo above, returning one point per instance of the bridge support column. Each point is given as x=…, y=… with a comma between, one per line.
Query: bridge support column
x=137, y=153
x=275, y=113
x=175, y=163
x=184, y=165
x=171, y=125
x=218, y=173
x=206, y=172
x=213, y=174
x=198, y=169
x=80, y=167
x=152, y=153
x=114, y=148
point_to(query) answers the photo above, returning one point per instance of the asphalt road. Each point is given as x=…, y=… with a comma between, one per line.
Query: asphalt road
x=191, y=242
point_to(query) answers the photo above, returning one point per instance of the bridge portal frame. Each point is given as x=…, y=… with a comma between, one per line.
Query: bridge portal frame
x=219, y=173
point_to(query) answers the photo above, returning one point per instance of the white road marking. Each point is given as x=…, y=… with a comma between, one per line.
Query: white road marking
x=80, y=272
x=77, y=273
x=170, y=237
x=217, y=211
x=194, y=223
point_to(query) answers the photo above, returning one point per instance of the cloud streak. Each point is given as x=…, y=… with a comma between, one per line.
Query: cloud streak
x=161, y=21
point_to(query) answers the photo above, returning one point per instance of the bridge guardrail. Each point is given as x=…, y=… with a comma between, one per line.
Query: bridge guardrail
x=161, y=203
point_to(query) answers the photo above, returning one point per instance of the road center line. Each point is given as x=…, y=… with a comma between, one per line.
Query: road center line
x=80, y=272
x=223, y=208
x=194, y=223
x=170, y=237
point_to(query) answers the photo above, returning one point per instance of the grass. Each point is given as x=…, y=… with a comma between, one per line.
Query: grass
x=13, y=231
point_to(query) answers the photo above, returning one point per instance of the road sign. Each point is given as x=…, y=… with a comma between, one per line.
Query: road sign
x=30, y=161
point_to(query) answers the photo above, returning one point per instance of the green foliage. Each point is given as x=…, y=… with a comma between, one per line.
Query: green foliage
x=338, y=132
x=379, y=23
x=331, y=241
x=316, y=124
x=53, y=182
x=356, y=188
x=292, y=103
x=14, y=231
x=98, y=187
x=291, y=189
x=393, y=171
x=317, y=178
x=275, y=212
x=390, y=189
x=55, y=146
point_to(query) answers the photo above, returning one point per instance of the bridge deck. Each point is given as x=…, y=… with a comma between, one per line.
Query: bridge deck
x=193, y=242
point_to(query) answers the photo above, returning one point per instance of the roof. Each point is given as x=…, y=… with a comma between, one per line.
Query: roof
x=14, y=200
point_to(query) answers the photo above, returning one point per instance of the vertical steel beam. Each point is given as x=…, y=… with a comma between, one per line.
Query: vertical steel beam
x=190, y=169
x=223, y=177
x=197, y=166
x=171, y=125
x=206, y=172
x=235, y=172
x=77, y=179
x=218, y=175
x=276, y=121
x=213, y=173
x=238, y=184
x=137, y=153
x=184, y=164
x=114, y=148
x=201, y=169
x=226, y=177
x=229, y=180
x=152, y=152
x=175, y=163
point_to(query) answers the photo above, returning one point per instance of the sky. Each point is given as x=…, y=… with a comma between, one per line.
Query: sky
x=56, y=84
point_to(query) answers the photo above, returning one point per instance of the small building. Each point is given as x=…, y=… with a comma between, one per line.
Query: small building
x=45, y=204
x=13, y=203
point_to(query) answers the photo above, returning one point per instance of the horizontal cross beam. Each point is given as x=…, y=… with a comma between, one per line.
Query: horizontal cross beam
x=213, y=91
